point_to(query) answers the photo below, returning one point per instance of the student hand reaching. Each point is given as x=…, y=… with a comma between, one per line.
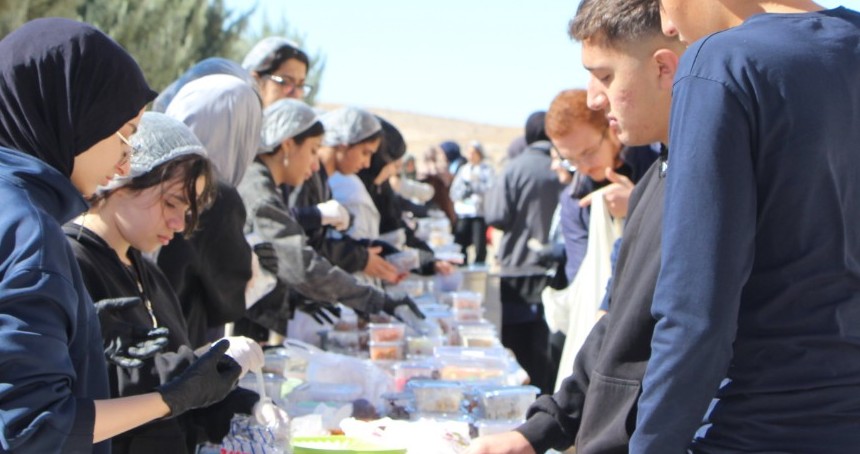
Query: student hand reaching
x=127, y=344
x=616, y=194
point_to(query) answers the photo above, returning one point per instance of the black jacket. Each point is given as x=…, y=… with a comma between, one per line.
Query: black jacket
x=345, y=252
x=106, y=277
x=210, y=270
x=596, y=405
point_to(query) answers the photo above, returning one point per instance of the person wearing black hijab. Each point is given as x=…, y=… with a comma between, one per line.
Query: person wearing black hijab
x=387, y=202
x=71, y=96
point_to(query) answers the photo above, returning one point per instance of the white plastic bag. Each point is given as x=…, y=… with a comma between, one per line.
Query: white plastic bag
x=574, y=309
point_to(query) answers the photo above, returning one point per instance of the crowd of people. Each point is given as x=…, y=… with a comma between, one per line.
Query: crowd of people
x=148, y=254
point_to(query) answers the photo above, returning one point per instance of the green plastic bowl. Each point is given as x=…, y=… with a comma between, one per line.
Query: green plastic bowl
x=339, y=444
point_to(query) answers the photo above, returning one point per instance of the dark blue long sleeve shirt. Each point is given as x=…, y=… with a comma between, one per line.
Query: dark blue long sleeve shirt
x=52, y=366
x=758, y=299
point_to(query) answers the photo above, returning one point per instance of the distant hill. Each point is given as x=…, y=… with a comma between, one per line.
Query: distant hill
x=423, y=131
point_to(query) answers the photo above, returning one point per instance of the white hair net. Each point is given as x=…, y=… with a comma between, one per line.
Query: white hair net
x=348, y=126
x=225, y=114
x=158, y=139
x=263, y=52
x=207, y=67
x=284, y=120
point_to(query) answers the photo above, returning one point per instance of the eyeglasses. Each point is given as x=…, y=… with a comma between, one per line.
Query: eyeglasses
x=289, y=83
x=589, y=152
x=564, y=163
x=127, y=153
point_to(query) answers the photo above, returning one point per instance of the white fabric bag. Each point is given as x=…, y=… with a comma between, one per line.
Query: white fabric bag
x=574, y=309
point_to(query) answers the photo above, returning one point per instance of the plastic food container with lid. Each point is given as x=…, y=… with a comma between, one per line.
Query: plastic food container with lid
x=437, y=397
x=386, y=332
x=405, y=371
x=508, y=403
x=386, y=350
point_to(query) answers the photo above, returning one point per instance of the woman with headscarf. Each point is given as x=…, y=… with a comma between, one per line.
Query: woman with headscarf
x=280, y=68
x=203, y=68
x=291, y=137
x=211, y=269
x=71, y=97
x=383, y=165
x=169, y=184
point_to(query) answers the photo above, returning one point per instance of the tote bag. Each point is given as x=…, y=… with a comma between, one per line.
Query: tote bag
x=573, y=310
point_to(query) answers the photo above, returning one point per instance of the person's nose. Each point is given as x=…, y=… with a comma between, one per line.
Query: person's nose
x=176, y=222
x=595, y=98
x=315, y=165
x=123, y=168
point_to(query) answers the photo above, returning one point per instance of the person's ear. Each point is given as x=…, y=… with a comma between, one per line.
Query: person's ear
x=667, y=63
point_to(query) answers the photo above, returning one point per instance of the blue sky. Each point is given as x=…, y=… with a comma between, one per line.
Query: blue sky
x=489, y=62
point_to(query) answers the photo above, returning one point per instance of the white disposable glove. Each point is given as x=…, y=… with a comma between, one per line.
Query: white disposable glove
x=246, y=352
x=334, y=214
x=273, y=418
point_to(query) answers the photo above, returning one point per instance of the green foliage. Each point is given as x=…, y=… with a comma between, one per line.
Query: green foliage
x=166, y=37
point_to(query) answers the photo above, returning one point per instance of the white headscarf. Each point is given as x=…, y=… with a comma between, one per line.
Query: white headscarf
x=225, y=114
x=207, y=67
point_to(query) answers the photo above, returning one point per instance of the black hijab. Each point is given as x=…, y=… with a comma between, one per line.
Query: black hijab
x=535, y=127
x=65, y=86
x=392, y=148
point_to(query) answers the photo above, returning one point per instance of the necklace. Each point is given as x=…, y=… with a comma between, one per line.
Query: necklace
x=146, y=302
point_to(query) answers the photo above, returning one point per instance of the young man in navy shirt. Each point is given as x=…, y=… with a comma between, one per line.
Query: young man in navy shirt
x=757, y=342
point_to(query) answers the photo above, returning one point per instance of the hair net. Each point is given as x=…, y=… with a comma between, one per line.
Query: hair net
x=225, y=114
x=159, y=139
x=285, y=119
x=207, y=67
x=261, y=55
x=348, y=126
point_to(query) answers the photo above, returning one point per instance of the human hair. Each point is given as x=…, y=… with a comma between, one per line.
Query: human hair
x=187, y=168
x=568, y=108
x=280, y=55
x=314, y=130
x=613, y=23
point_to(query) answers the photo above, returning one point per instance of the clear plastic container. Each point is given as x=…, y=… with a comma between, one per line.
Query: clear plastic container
x=449, y=283
x=509, y=403
x=412, y=287
x=478, y=335
x=272, y=382
x=472, y=369
x=386, y=350
x=404, y=261
x=437, y=397
x=387, y=332
x=406, y=371
x=489, y=427
x=468, y=315
x=466, y=300
x=419, y=346
x=347, y=342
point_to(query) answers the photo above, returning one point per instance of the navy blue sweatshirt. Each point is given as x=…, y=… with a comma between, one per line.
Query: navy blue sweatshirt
x=758, y=299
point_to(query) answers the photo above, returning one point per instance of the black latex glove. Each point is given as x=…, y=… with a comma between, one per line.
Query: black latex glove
x=392, y=303
x=266, y=255
x=127, y=344
x=207, y=381
x=321, y=312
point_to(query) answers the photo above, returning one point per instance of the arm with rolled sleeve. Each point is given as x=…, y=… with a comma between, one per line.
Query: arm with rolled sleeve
x=709, y=228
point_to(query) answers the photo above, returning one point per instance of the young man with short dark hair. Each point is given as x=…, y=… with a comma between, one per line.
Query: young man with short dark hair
x=632, y=66
x=756, y=346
